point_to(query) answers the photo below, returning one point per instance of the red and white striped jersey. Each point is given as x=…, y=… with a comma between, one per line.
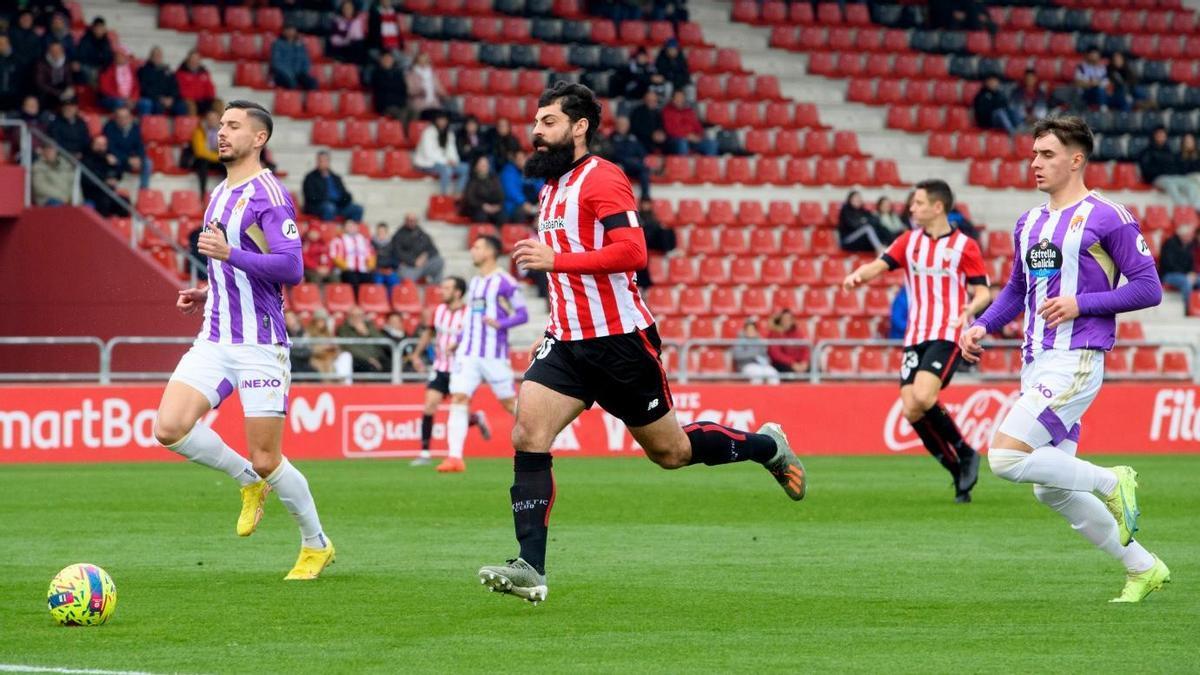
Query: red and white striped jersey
x=936, y=273
x=355, y=249
x=448, y=328
x=576, y=212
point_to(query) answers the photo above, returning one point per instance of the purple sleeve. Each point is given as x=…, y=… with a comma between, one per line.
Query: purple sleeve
x=1011, y=300
x=520, y=314
x=283, y=263
x=1135, y=262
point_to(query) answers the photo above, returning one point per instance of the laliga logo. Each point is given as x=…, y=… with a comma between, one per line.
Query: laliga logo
x=368, y=431
x=976, y=417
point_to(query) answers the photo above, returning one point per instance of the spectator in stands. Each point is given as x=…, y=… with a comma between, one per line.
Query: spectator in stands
x=105, y=166
x=69, y=130
x=385, y=264
x=483, y=197
x=673, y=66
x=52, y=78
x=125, y=141
x=472, y=142
x=1161, y=167
x=318, y=264
x=60, y=32
x=1091, y=79
x=353, y=255
x=290, y=66
x=426, y=94
x=385, y=33
x=992, y=108
x=326, y=358
x=646, y=121
x=520, y=191
x=885, y=211
x=368, y=358
x=393, y=327
x=1123, y=90
x=389, y=88
x=348, y=40
x=94, y=52
x=380, y=241
x=601, y=146
x=1189, y=157
x=634, y=80
x=685, y=133
x=26, y=45
x=749, y=354
x=326, y=196
x=195, y=84
x=31, y=113
x=53, y=178
x=437, y=155
x=415, y=254
x=787, y=358
x=119, y=83
x=659, y=239
x=300, y=352
x=1177, y=262
x=858, y=229
x=960, y=15
x=959, y=221
x=1029, y=101
x=205, y=159
x=13, y=77
x=160, y=90
x=502, y=142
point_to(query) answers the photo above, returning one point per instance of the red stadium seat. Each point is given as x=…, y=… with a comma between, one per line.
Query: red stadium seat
x=1012, y=174
x=661, y=301
x=996, y=361
x=373, y=298
x=720, y=212
x=150, y=203
x=318, y=104
x=1145, y=361
x=767, y=172
x=795, y=242
x=1176, y=364
x=734, y=242
x=339, y=298
x=877, y=302
x=1130, y=331
x=825, y=243
x=406, y=298
x=982, y=173
x=713, y=271
x=738, y=170
x=694, y=302
x=817, y=303
x=354, y=104
x=726, y=301
x=682, y=270
x=244, y=47
x=886, y=172
x=365, y=163
x=269, y=20
x=750, y=213
x=775, y=271
x=702, y=242
x=306, y=297
x=173, y=17
x=186, y=204
x=326, y=132
x=206, y=18
x=691, y=212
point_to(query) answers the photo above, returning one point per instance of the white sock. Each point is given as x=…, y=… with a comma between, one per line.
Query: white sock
x=456, y=429
x=292, y=488
x=1051, y=467
x=202, y=445
x=1089, y=517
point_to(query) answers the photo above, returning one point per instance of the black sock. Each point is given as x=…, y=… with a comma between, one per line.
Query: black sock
x=944, y=426
x=935, y=445
x=532, y=497
x=713, y=444
x=426, y=431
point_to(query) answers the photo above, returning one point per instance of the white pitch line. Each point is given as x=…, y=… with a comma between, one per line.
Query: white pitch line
x=17, y=668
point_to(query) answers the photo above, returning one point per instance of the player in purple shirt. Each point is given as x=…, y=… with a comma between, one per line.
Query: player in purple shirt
x=253, y=248
x=495, y=304
x=1070, y=253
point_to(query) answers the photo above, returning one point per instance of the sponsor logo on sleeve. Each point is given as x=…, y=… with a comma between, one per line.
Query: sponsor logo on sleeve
x=290, y=230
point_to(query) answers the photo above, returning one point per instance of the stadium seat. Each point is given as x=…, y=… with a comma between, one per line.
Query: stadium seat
x=720, y=212
x=996, y=361
x=724, y=300
x=795, y=242
x=805, y=271
x=661, y=301
x=186, y=204
x=786, y=298
x=326, y=132
x=702, y=241
x=755, y=302
x=1176, y=364
x=1145, y=361
x=365, y=163
x=848, y=303
x=817, y=303
x=713, y=270
x=306, y=297
x=738, y=170
x=694, y=302
x=681, y=270
x=999, y=244
x=373, y=298
x=173, y=17
x=824, y=242
x=877, y=302
x=406, y=298
x=339, y=298
x=150, y=203
x=840, y=361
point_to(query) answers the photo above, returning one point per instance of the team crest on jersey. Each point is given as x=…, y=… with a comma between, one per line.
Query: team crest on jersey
x=240, y=205
x=1044, y=259
x=552, y=224
x=1076, y=224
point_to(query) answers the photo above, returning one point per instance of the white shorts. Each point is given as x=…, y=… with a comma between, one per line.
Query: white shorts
x=260, y=373
x=468, y=372
x=1056, y=389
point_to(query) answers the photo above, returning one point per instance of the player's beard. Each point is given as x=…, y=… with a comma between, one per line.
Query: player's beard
x=553, y=162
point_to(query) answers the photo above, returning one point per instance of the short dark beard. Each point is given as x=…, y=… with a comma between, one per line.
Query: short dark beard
x=553, y=163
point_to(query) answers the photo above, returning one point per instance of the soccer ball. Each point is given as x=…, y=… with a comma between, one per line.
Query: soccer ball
x=82, y=595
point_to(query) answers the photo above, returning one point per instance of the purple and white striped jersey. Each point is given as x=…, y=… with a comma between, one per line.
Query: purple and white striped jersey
x=1081, y=251
x=245, y=298
x=496, y=296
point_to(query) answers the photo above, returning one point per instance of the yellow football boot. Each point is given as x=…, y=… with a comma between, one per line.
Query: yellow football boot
x=253, y=498
x=311, y=563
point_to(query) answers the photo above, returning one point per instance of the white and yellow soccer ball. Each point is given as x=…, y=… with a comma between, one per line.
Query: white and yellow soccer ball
x=82, y=595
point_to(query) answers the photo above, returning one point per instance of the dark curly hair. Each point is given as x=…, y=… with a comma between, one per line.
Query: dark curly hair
x=577, y=101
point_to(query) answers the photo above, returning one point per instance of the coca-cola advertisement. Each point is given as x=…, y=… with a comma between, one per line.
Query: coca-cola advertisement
x=96, y=423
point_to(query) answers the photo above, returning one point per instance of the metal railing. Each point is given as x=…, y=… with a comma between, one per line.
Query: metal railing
x=26, y=144
x=681, y=372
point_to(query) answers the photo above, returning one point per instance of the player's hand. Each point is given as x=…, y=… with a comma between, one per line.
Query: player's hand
x=969, y=343
x=532, y=255
x=963, y=319
x=1058, y=310
x=213, y=244
x=537, y=344
x=191, y=299
x=852, y=281
x=491, y=322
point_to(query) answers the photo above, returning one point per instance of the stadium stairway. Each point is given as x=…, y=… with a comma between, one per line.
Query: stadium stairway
x=990, y=206
x=384, y=200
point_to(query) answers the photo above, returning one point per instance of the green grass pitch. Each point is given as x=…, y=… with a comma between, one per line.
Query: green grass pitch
x=704, y=569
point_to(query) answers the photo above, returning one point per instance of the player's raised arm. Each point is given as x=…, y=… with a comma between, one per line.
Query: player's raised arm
x=894, y=258
x=283, y=262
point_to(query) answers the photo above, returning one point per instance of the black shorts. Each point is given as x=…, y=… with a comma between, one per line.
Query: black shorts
x=623, y=373
x=940, y=357
x=439, y=381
